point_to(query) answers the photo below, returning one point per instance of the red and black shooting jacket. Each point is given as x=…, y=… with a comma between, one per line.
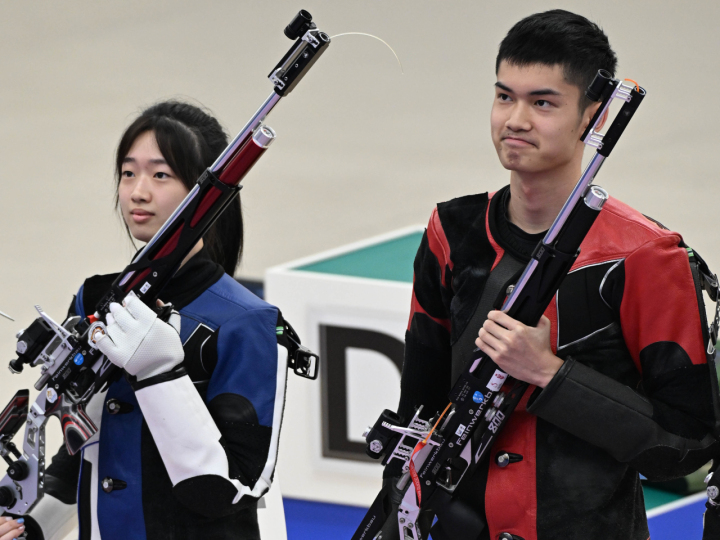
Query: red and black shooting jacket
x=633, y=395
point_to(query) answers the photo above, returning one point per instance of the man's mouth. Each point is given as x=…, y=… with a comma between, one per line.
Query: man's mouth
x=517, y=142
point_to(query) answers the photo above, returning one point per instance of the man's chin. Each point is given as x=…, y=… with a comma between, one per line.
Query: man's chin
x=517, y=164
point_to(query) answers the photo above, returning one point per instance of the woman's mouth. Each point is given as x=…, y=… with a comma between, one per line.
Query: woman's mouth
x=140, y=216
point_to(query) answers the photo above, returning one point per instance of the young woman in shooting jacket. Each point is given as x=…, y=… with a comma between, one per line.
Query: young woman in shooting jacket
x=188, y=437
x=621, y=384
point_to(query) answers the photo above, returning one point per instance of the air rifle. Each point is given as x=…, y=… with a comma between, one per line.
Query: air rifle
x=436, y=455
x=73, y=369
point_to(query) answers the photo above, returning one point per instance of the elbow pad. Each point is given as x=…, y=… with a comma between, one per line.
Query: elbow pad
x=610, y=415
x=189, y=443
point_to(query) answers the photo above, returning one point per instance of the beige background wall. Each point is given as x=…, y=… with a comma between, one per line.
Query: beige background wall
x=361, y=149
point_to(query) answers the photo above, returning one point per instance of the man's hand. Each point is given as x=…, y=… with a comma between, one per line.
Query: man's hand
x=523, y=352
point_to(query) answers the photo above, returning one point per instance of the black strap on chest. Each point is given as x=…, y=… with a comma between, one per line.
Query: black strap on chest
x=505, y=273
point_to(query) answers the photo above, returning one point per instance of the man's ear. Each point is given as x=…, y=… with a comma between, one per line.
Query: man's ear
x=603, y=119
x=590, y=113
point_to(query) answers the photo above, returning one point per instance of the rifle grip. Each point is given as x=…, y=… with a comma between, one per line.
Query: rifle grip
x=77, y=427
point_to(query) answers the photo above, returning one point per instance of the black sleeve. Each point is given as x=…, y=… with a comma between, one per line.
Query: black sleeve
x=427, y=364
x=61, y=476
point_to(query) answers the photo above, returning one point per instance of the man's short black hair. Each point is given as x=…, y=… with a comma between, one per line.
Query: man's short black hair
x=559, y=37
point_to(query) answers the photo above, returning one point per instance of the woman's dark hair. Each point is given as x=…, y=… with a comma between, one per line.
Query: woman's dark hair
x=559, y=37
x=190, y=140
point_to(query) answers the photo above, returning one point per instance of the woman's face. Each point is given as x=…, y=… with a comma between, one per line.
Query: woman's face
x=149, y=190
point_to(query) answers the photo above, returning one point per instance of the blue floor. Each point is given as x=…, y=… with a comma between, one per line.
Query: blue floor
x=308, y=520
x=680, y=524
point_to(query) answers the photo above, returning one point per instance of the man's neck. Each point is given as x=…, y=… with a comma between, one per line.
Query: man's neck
x=537, y=198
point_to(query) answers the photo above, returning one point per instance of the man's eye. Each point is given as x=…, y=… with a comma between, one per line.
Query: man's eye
x=503, y=97
x=543, y=103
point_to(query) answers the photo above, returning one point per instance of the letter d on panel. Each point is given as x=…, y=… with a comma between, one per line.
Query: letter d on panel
x=338, y=346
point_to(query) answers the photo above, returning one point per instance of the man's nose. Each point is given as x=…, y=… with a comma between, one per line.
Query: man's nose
x=519, y=119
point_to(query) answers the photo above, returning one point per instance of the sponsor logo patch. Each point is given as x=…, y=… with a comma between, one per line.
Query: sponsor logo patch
x=478, y=397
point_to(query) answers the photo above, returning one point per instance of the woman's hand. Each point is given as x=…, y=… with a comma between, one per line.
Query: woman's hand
x=521, y=351
x=11, y=528
x=138, y=341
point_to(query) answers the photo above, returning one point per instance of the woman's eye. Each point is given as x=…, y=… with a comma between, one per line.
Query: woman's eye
x=161, y=175
x=127, y=174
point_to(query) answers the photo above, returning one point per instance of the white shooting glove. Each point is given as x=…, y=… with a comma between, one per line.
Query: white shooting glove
x=138, y=341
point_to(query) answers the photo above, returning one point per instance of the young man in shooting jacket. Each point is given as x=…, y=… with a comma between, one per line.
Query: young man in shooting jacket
x=618, y=366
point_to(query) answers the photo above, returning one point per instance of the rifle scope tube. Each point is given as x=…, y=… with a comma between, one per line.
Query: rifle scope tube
x=247, y=156
x=245, y=133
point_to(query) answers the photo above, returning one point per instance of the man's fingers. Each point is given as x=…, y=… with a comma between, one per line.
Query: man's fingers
x=503, y=319
x=494, y=329
x=485, y=339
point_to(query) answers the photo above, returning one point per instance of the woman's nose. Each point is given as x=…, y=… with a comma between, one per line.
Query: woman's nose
x=140, y=192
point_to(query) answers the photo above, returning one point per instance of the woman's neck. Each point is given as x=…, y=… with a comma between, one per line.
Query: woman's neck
x=195, y=250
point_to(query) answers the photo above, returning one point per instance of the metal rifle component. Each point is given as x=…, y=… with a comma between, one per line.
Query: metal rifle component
x=484, y=397
x=3, y=314
x=73, y=369
x=711, y=519
x=302, y=360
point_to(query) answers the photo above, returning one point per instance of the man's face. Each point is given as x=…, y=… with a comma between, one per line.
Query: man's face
x=535, y=120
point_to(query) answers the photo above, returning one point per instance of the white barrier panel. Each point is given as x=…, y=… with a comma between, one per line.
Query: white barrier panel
x=351, y=305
